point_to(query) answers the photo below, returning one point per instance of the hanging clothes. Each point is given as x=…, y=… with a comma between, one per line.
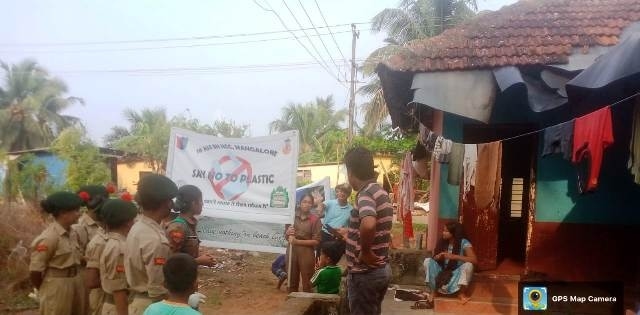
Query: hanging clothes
x=407, y=195
x=488, y=174
x=442, y=150
x=634, y=146
x=455, y=163
x=559, y=139
x=469, y=166
x=592, y=134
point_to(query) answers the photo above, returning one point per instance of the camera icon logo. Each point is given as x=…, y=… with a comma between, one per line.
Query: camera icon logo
x=534, y=298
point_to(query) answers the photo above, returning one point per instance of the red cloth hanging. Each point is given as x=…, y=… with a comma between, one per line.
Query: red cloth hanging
x=407, y=195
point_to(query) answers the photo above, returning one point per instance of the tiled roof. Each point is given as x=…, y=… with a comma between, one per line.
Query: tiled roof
x=529, y=32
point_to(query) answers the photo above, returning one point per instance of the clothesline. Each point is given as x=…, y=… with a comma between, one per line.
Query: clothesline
x=543, y=129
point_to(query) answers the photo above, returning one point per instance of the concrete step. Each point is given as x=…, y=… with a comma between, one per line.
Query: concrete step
x=477, y=305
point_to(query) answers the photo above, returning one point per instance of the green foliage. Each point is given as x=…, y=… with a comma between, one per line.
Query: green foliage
x=313, y=121
x=147, y=135
x=388, y=142
x=85, y=165
x=31, y=102
x=26, y=177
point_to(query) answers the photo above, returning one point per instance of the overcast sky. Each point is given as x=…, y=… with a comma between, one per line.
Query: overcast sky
x=221, y=86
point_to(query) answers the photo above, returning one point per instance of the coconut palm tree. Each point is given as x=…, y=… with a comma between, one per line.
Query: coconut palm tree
x=147, y=136
x=312, y=120
x=411, y=20
x=31, y=102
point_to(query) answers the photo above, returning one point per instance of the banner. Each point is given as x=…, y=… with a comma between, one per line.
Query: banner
x=248, y=186
x=319, y=188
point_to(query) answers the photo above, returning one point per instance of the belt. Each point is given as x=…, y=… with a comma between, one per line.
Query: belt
x=62, y=273
x=108, y=298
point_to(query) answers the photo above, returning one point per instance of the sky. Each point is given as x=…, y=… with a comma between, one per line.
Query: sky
x=172, y=54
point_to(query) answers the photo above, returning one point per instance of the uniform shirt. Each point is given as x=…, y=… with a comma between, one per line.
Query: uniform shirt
x=95, y=248
x=182, y=236
x=166, y=307
x=307, y=228
x=335, y=215
x=327, y=280
x=56, y=248
x=112, y=272
x=147, y=249
x=372, y=201
x=85, y=230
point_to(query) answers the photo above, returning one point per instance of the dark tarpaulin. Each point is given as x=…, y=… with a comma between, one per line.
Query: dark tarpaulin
x=614, y=76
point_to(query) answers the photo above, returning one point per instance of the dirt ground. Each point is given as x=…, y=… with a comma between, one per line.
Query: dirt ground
x=241, y=283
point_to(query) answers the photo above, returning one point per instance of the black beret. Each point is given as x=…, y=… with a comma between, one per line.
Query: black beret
x=115, y=212
x=156, y=188
x=60, y=202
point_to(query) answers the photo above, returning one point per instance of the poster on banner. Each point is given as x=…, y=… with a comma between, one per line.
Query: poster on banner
x=248, y=186
x=318, y=188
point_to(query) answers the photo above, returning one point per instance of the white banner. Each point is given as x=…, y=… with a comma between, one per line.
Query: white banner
x=248, y=186
x=318, y=188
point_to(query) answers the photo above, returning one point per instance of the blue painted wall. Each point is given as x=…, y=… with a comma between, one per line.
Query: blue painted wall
x=56, y=168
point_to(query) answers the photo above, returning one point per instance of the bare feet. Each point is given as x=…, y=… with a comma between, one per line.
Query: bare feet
x=280, y=282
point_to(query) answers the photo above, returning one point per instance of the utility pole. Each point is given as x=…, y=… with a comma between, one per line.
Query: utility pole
x=352, y=101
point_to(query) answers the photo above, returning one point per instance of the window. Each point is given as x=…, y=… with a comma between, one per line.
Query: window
x=304, y=176
x=517, y=194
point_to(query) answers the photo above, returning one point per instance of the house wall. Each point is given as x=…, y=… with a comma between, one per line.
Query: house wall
x=320, y=171
x=575, y=237
x=129, y=175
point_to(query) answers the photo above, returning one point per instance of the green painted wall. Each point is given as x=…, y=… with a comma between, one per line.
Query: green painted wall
x=449, y=193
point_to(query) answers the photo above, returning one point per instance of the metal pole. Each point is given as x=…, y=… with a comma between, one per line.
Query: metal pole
x=352, y=102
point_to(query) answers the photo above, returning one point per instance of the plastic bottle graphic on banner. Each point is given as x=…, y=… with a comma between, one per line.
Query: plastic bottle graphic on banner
x=248, y=186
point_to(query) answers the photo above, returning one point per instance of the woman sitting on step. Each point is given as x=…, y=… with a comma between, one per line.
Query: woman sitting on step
x=450, y=270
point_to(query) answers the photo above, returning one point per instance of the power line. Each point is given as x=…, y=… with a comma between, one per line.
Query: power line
x=170, y=39
x=307, y=36
x=158, y=47
x=320, y=38
x=296, y=37
x=330, y=32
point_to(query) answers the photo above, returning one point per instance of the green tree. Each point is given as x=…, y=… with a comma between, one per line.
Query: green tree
x=147, y=136
x=85, y=164
x=411, y=20
x=31, y=102
x=312, y=120
x=219, y=128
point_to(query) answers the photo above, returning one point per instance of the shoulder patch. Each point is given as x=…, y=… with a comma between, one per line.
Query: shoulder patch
x=41, y=247
x=120, y=268
x=159, y=261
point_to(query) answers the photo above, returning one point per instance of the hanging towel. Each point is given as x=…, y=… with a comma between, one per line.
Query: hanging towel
x=634, y=146
x=437, y=147
x=469, y=166
x=558, y=139
x=488, y=174
x=455, y=163
x=592, y=134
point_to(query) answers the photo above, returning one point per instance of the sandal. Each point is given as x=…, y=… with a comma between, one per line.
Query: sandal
x=422, y=305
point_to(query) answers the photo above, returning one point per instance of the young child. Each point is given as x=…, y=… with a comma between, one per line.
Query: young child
x=278, y=268
x=327, y=278
x=180, y=277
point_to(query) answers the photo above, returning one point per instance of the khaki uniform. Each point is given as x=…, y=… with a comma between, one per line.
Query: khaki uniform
x=56, y=255
x=85, y=230
x=303, y=261
x=112, y=270
x=93, y=252
x=147, y=249
x=182, y=236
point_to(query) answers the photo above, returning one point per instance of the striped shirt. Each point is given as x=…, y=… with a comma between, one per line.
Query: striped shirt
x=374, y=201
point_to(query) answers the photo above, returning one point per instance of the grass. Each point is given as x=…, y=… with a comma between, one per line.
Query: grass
x=19, y=222
x=417, y=228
